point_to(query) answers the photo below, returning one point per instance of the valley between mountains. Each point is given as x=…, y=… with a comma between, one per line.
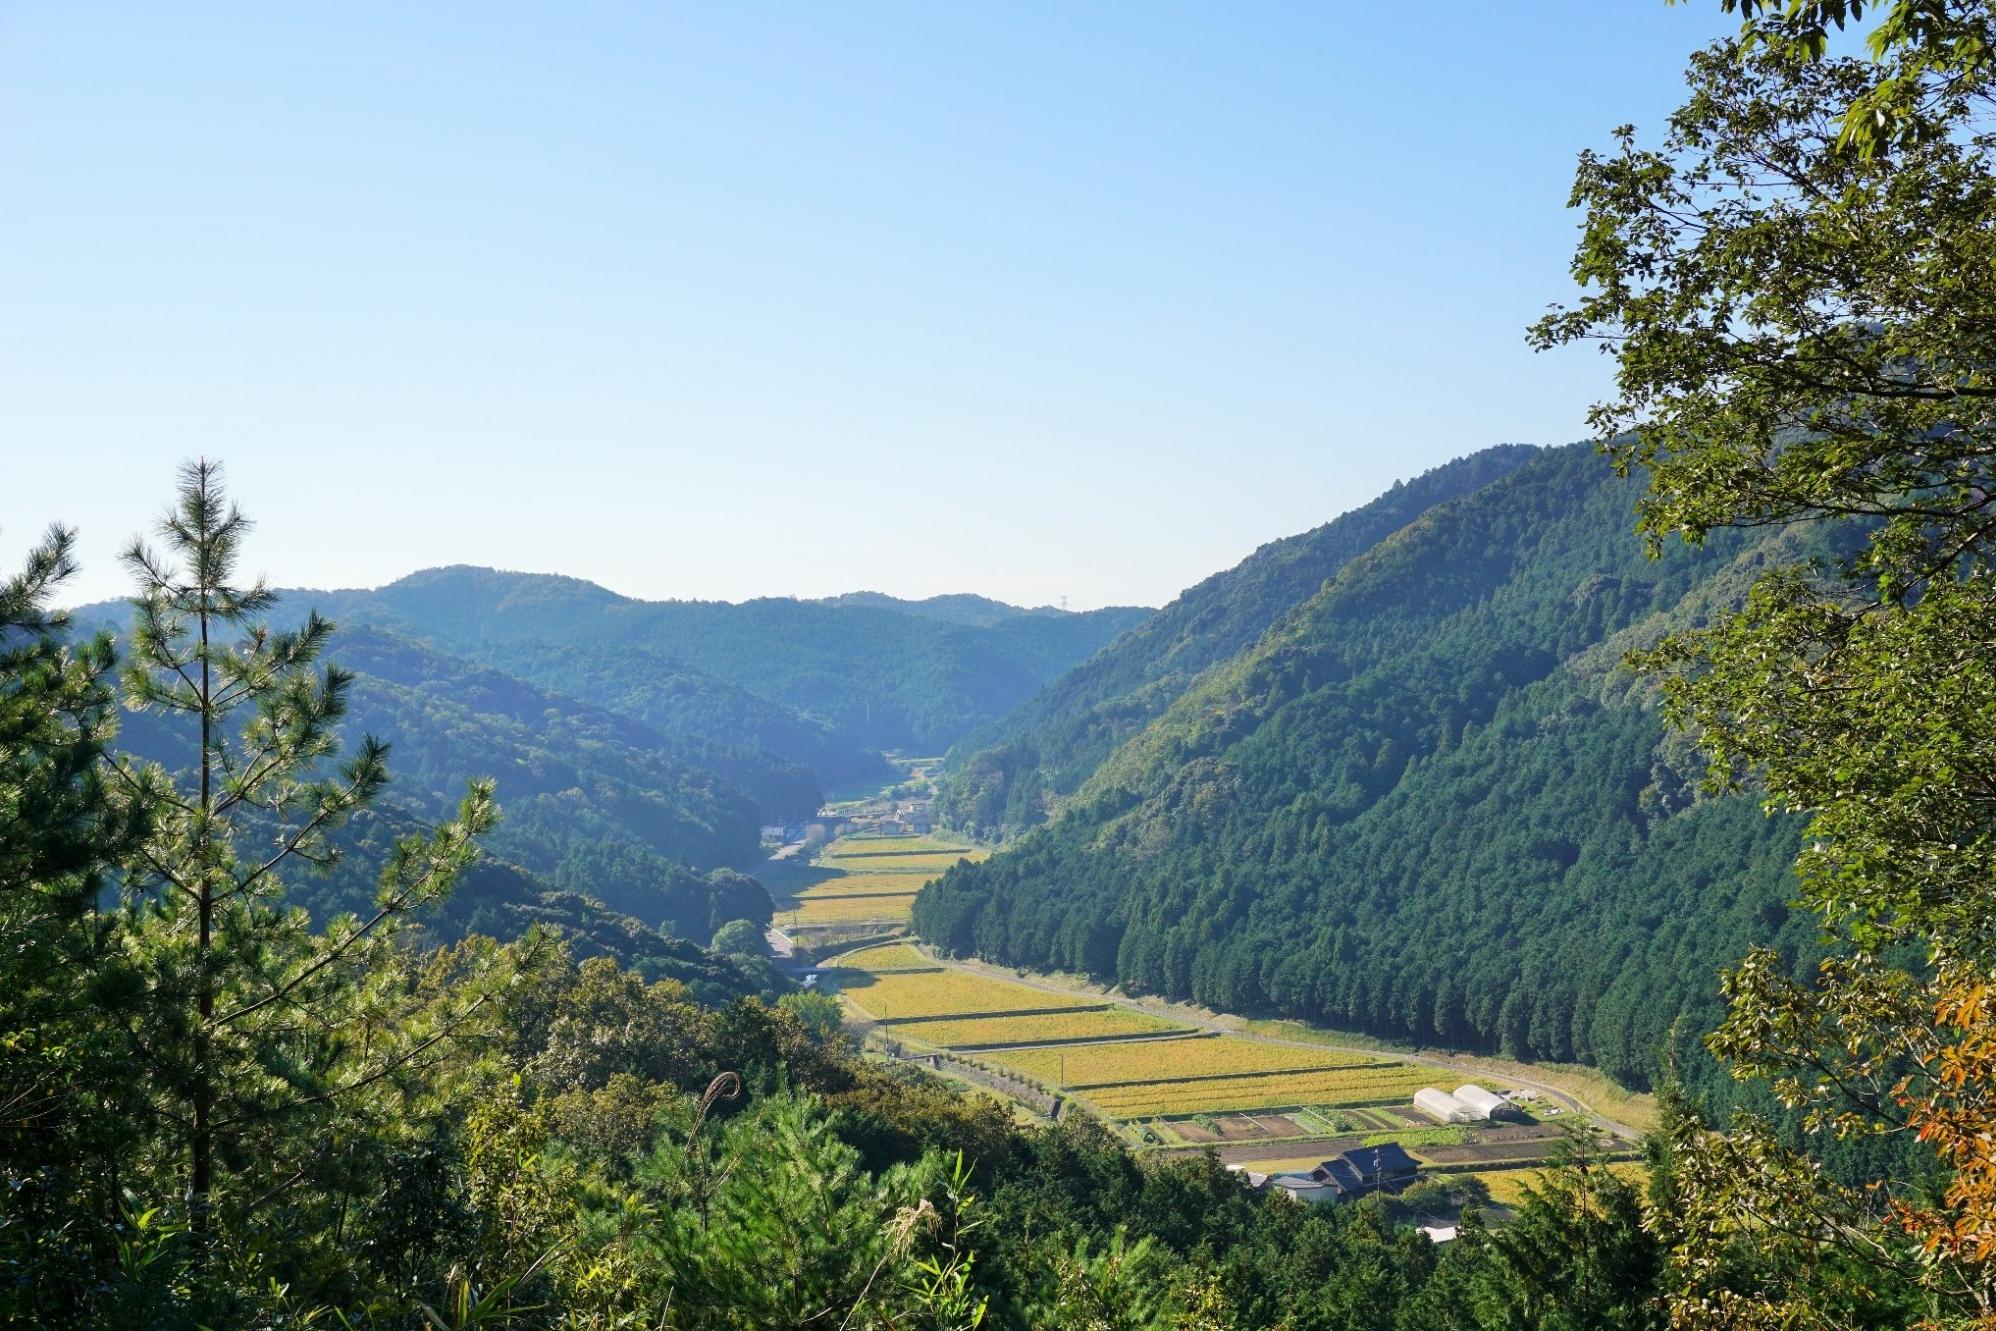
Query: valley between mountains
x=1270, y=1099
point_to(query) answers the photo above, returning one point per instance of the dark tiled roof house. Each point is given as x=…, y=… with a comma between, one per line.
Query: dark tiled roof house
x=1366, y=1169
x=1353, y=1174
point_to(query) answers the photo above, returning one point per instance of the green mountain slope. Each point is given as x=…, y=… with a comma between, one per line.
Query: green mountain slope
x=1430, y=803
x=595, y=804
x=861, y=676
x=499, y=899
x=1007, y=776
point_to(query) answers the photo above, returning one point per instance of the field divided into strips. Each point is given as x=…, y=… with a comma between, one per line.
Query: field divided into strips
x=1214, y=1074
x=864, y=884
x=1281, y=1090
x=1120, y=1062
x=1216, y=1056
x=891, y=996
x=1041, y=1028
x=885, y=848
x=869, y=879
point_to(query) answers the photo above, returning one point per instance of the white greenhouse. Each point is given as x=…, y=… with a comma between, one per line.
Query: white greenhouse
x=1487, y=1104
x=1442, y=1107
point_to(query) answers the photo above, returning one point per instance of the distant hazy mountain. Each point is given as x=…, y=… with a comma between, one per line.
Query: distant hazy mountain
x=1006, y=776
x=1428, y=802
x=849, y=676
x=962, y=608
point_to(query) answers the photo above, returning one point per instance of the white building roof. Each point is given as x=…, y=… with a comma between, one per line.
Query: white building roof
x=1477, y=1098
x=1445, y=1108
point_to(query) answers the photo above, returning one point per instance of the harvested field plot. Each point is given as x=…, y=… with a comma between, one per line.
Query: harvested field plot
x=1490, y=1151
x=1332, y=1088
x=897, y=997
x=886, y=957
x=1085, y=1024
x=1243, y=1128
x=1212, y=1057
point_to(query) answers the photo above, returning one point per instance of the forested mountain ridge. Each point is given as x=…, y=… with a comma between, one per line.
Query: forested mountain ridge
x=951, y=608
x=846, y=677
x=1006, y=776
x=1430, y=803
x=596, y=805
x=499, y=899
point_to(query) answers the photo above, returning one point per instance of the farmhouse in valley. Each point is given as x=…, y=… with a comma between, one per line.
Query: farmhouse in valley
x=1350, y=1175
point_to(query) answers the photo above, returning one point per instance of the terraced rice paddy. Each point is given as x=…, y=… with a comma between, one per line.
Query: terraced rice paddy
x=892, y=996
x=871, y=879
x=1087, y=1024
x=1218, y=1056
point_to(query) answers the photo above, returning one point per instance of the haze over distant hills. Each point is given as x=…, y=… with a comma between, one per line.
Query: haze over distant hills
x=867, y=672
x=638, y=747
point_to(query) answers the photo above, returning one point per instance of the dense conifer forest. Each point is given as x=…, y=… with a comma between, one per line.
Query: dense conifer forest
x=1428, y=802
x=1008, y=775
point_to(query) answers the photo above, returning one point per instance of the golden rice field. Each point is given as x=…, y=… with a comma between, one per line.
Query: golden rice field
x=891, y=996
x=923, y=861
x=1340, y=1086
x=886, y=957
x=840, y=910
x=1212, y=1057
x=1096, y=1024
x=881, y=848
x=860, y=884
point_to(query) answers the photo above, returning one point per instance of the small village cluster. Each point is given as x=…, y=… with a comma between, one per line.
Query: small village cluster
x=903, y=817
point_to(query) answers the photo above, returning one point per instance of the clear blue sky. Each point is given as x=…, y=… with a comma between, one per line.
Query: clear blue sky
x=740, y=299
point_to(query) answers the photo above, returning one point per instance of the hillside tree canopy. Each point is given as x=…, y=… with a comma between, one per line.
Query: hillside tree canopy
x=1804, y=332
